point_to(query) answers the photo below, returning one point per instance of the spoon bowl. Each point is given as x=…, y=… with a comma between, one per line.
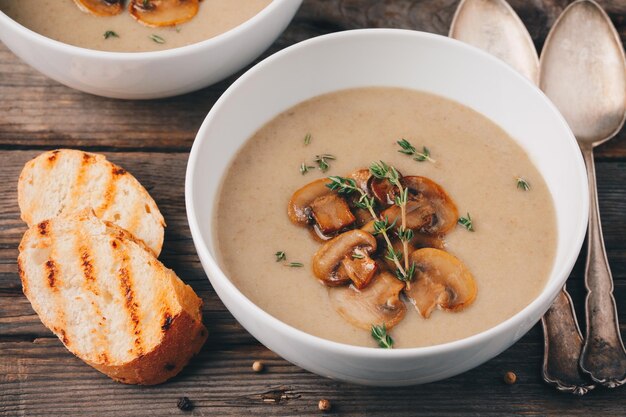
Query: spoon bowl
x=583, y=72
x=493, y=26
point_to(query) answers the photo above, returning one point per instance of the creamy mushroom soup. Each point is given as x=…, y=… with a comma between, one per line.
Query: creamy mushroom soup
x=493, y=262
x=63, y=21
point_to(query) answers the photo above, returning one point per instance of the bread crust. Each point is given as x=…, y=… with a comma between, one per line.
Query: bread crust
x=181, y=336
x=182, y=341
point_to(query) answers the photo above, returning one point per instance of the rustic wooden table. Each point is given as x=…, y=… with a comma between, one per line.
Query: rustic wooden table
x=152, y=139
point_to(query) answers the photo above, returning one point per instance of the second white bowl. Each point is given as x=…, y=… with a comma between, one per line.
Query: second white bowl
x=147, y=75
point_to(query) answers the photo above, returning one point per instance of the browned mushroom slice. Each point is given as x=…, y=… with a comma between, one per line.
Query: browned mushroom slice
x=446, y=213
x=100, y=7
x=376, y=304
x=440, y=280
x=421, y=240
x=362, y=216
x=331, y=213
x=316, y=202
x=299, y=208
x=361, y=177
x=383, y=191
x=419, y=213
x=346, y=257
x=156, y=13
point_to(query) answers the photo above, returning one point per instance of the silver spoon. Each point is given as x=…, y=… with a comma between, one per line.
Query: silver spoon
x=583, y=71
x=493, y=26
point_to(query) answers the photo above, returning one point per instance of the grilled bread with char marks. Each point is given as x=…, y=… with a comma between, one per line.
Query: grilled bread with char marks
x=64, y=181
x=109, y=300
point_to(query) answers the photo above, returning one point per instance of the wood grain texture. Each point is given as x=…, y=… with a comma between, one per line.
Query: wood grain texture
x=36, y=111
x=38, y=376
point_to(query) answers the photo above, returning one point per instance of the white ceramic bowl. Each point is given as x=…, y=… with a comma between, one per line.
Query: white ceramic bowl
x=146, y=75
x=398, y=58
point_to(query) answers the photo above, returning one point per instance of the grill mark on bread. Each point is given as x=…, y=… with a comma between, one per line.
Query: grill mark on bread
x=51, y=274
x=43, y=227
x=126, y=283
x=91, y=285
x=63, y=336
x=79, y=182
x=109, y=194
x=52, y=157
x=88, y=269
x=103, y=358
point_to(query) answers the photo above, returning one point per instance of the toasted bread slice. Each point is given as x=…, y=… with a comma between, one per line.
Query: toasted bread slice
x=109, y=300
x=65, y=181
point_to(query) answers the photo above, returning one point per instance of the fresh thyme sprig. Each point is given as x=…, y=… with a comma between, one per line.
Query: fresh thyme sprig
x=322, y=161
x=307, y=138
x=381, y=170
x=382, y=227
x=408, y=149
x=280, y=256
x=522, y=184
x=110, y=34
x=379, y=333
x=467, y=222
x=304, y=168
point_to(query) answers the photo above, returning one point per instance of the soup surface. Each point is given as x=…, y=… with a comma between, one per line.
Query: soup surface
x=63, y=21
x=510, y=253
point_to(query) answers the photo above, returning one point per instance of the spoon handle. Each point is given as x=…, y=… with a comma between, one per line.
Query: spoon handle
x=603, y=356
x=562, y=346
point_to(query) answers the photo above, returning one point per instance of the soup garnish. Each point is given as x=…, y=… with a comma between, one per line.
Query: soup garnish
x=395, y=247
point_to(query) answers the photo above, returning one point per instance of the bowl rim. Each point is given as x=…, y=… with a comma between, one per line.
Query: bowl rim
x=548, y=293
x=134, y=56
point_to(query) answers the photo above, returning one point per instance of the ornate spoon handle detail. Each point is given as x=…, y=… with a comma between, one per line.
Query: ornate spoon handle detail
x=562, y=345
x=603, y=356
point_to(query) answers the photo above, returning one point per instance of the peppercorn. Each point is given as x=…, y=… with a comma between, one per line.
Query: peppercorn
x=257, y=366
x=510, y=378
x=184, y=404
x=324, y=405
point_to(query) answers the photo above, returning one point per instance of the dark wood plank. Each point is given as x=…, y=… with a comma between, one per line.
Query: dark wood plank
x=41, y=378
x=39, y=112
x=151, y=139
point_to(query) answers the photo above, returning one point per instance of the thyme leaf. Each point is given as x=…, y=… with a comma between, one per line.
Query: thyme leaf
x=342, y=185
x=408, y=275
x=295, y=264
x=304, y=168
x=405, y=234
x=381, y=171
x=322, y=161
x=157, y=38
x=307, y=139
x=280, y=256
x=383, y=226
x=379, y=333
x=408, y=149
x=522, y=184
x=110, y=34
x=467, y=222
